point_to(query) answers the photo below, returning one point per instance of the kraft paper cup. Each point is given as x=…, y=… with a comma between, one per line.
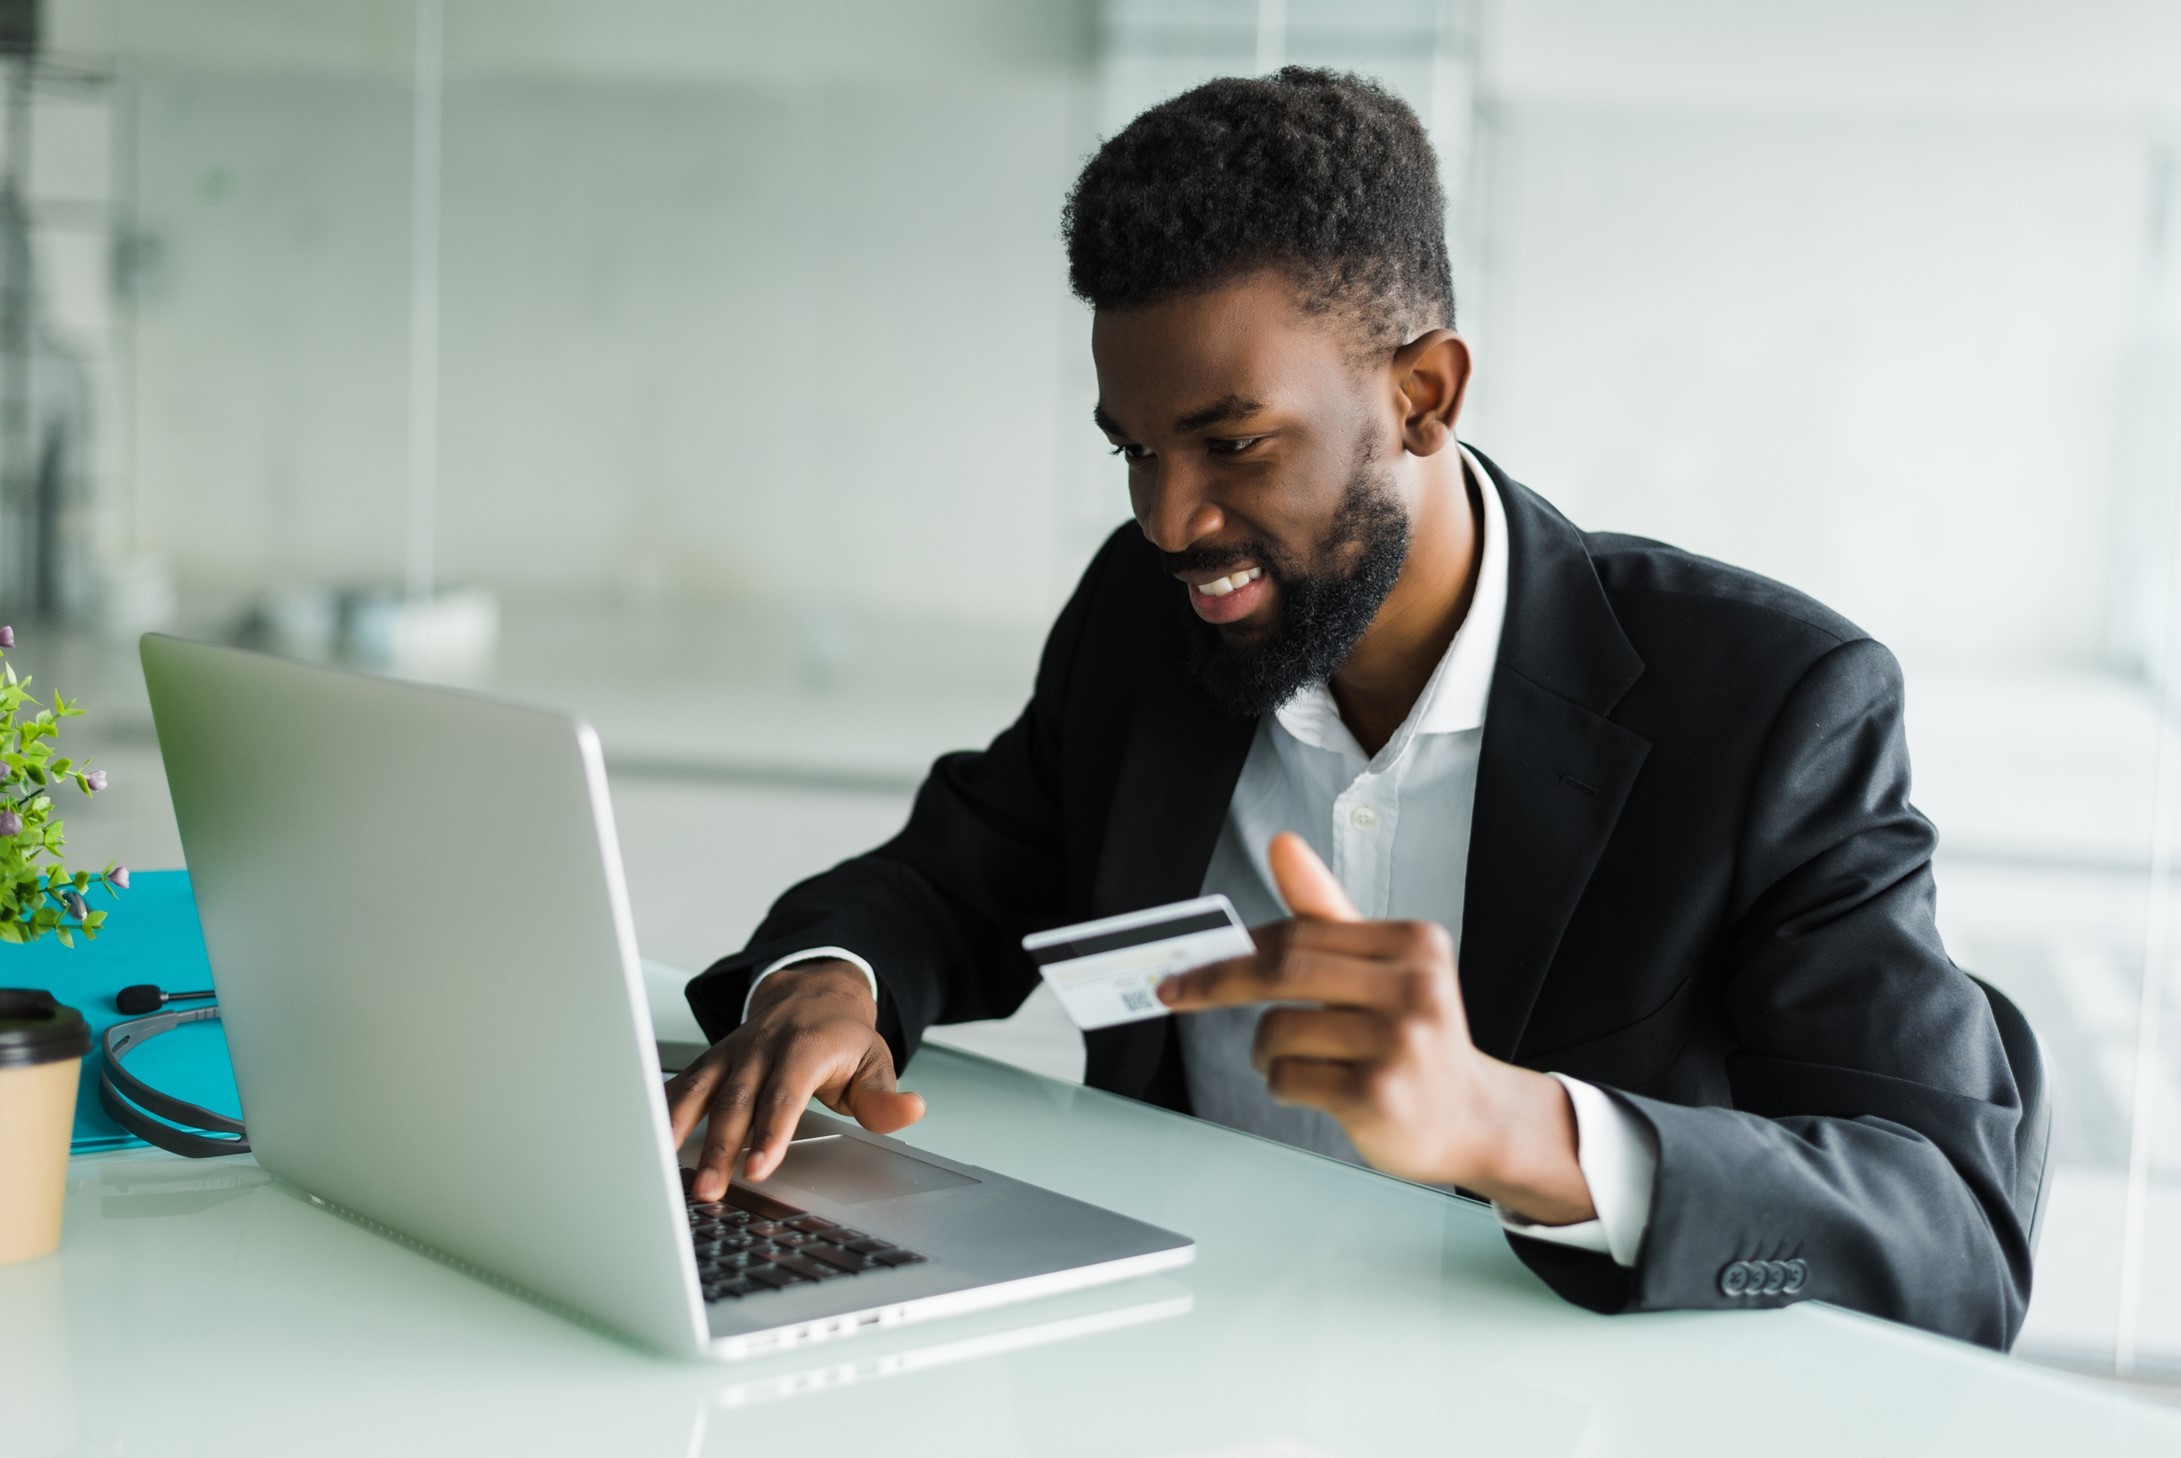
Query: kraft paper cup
x=42, y=1044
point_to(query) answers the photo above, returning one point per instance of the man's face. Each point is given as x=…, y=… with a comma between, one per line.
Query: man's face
x=1262, y=461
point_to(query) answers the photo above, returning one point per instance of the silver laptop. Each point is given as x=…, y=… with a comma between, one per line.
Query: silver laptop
x=420, y=937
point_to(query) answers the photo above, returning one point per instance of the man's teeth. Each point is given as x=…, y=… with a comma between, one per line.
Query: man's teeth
x=1221, y=586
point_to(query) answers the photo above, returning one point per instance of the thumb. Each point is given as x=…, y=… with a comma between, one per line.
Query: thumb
x=1308, y=888
x=876, y=1103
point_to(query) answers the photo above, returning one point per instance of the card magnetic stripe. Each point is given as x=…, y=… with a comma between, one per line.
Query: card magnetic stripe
x=1135, y=936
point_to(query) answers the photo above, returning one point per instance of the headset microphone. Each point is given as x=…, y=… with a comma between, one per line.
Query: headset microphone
x=145, y=998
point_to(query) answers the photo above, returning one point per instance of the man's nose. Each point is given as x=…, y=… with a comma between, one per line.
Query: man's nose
x=1175, y=514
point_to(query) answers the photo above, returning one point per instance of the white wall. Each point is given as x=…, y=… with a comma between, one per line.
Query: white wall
x=2109, y=57
x=786, y=344
x=1860, y=295
x=272, y=341
x=713, y=330
x=1877, y=357
x=769, y=306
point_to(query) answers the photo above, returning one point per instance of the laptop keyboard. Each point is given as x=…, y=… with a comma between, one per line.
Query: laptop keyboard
x=749, y=1243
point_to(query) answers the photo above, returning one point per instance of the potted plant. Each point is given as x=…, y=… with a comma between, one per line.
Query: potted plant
x=42, y=1042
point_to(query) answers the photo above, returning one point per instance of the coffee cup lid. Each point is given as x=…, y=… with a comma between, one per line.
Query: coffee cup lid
x=36, y=1029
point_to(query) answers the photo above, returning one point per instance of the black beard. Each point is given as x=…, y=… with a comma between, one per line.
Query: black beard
x=1321, y=615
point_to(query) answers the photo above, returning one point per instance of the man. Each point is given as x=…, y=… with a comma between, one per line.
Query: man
x=1627, y=921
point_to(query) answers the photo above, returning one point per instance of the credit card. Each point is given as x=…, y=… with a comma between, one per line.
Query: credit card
x=1105, y=970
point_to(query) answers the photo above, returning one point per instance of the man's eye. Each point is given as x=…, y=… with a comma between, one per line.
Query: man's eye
x=1130, y=453
x=1232, y=447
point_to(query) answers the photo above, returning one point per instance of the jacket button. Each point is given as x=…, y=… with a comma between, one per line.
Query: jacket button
x=1775, y=1277
x=1734, y=1280
x=1798, y=1273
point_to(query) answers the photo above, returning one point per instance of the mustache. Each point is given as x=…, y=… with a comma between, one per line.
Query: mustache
x=1212, y=559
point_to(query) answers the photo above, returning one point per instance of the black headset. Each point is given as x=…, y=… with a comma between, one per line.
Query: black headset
x=126, y=1097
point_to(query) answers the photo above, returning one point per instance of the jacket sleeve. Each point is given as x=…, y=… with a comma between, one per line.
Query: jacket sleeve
x=940, y=910
x=1867, y=1155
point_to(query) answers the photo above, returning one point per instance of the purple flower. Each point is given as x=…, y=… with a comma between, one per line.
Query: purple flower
x=7, y=636
x=118, y=878
x=10, y=823
x=75, y=904
x=95, y=780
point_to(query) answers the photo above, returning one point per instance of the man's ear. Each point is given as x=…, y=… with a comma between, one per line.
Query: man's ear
x=1430, y=376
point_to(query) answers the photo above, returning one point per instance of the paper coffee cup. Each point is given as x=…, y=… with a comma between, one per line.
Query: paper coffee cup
x=42, y=1044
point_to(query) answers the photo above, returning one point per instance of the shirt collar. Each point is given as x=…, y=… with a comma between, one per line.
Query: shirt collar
x=1453, y=700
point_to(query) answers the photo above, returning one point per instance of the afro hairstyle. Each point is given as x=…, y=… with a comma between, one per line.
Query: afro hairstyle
x=1322, y=175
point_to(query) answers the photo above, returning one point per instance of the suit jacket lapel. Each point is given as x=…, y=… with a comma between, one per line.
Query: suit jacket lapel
x=1177, y=774
x=1553, y=771
x=1178, y=771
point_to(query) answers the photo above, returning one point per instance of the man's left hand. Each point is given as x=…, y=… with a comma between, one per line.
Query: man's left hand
x=1381, y=1043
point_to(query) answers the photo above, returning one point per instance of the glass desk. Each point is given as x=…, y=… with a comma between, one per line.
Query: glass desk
x=206, y=1308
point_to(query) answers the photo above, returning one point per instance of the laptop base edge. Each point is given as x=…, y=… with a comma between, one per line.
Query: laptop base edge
x=947, y=1303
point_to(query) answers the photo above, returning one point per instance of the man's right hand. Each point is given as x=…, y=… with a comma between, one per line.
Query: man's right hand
x=812, y=1029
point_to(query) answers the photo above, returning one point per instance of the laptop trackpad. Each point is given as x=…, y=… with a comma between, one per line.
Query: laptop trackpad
x=851, y=1172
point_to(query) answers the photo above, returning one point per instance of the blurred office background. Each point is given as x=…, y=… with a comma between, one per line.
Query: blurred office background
x=709, y=367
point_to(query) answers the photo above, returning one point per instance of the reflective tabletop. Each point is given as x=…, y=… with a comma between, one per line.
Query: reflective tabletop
x=201, y=1307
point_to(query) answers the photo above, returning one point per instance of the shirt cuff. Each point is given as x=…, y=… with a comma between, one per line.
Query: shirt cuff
x=1618, y=1153
x=811, y=956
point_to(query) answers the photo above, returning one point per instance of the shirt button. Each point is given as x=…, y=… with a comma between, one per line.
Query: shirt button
x=1363, y=817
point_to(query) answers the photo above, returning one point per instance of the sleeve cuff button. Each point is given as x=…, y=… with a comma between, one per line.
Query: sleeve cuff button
x=1764, y=1278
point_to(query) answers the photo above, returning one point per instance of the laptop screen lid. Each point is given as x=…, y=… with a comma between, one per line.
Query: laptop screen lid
x=413, y=903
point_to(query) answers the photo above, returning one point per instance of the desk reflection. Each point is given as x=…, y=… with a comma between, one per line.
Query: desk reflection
x=229, y=1314
x=1329, y=1311
x=38, y=1402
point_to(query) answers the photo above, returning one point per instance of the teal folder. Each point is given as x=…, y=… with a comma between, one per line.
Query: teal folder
x=151, y=935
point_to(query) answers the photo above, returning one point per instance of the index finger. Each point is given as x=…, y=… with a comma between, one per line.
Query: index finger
x=1292, y=968
x=689, y=1093
x=1233, y=982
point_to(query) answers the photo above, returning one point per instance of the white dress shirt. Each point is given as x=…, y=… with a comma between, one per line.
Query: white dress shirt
x=1394, y=828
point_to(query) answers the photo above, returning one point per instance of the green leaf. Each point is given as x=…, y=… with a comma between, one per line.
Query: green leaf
x=67, y=940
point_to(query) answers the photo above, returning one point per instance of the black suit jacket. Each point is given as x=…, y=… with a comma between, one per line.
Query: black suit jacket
x=1695, y=880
